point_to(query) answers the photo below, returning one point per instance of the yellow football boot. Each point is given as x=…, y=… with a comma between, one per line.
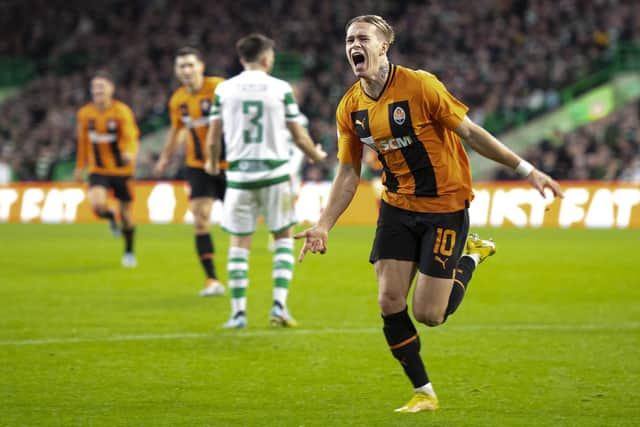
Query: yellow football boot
x=475, y=245
x=420, y=402
x=281, y=317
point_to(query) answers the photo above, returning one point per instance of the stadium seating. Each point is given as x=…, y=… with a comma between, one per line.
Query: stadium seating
x=607, y=149
x=506, y=60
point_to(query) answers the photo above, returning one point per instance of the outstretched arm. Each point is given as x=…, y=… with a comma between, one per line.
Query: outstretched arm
x=342, y=192
x=488, y=146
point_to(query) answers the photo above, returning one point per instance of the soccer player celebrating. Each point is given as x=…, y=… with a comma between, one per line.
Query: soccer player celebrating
x=416, y=126
x=107, y=146
x=254, y=110
x=189, y=108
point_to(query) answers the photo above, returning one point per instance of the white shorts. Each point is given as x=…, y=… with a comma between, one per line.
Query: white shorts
x=242, y=207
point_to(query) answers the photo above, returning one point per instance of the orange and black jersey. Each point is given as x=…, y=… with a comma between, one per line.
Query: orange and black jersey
x=104, y=137
x=191, y=111
x=411, y=127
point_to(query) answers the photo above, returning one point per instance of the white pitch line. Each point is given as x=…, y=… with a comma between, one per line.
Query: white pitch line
x=575, y=327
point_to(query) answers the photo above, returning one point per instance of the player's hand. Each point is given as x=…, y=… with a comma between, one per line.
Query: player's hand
x=315, y=241
x=540, y=180
x=78, y=175
x=128, y=158
x=321, y=154
x=212, y=168
x=160, y=166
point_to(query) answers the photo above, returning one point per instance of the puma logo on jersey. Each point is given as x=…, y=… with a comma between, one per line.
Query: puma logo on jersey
x=442, y=261
x=360, y=123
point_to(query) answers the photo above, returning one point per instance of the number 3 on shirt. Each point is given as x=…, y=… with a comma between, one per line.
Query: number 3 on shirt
x=253, y=112
x=445, y=241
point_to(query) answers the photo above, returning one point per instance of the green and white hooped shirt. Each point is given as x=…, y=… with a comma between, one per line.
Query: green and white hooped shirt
x=254, y=108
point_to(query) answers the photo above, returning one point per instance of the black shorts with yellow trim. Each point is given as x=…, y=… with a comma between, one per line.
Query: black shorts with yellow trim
x=204, y=185
x=434, y=241
x=119, y=185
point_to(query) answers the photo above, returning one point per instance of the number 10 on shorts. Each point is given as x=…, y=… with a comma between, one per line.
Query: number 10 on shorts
x=445, y=241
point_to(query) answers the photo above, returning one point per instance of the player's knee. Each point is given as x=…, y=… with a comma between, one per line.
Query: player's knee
x=127, y=222
x=429, y=317
x=201, y=223
x=99, y=210
x=391, y=303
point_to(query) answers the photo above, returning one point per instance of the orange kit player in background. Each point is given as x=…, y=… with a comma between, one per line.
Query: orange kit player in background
x=189, y=109
x=107, y=146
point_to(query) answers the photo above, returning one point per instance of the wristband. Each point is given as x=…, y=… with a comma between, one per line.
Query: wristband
x=524, y=168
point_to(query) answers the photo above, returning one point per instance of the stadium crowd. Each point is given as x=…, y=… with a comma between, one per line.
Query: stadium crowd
x=607, y=149
x=501, y=58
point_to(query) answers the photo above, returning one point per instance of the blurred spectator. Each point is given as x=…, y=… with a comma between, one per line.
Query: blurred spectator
x=5, y=168
x=607, y=149
x=505, y=59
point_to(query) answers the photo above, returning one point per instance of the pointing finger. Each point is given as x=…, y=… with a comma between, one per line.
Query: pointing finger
x=303, y=252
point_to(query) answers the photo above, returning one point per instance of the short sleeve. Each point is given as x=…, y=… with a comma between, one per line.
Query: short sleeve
x=442, y=105
x=214, y=111
x=349, y=145
x=291, y=109
x=131, y=133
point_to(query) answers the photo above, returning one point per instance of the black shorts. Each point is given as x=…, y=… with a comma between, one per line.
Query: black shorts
x=434, y=241
x=119, y=185
x=204, y=185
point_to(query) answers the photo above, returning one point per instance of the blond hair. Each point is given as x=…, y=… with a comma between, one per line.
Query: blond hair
x=378, y=22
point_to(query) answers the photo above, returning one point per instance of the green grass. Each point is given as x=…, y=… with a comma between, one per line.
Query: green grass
x=549, y=334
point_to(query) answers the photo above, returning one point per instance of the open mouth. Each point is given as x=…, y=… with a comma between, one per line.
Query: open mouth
x=357, y=58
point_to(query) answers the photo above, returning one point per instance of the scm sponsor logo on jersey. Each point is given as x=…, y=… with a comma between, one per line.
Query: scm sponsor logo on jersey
x=396, y=143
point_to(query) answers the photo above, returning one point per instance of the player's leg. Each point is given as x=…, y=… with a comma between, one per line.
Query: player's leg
x=240, y=213
x=430, y=299
x=282, y=274
x=238, y=272
x=395, y=253
x=446, y=267
x=97, y=195
x=120, y=186
x=201, y=210
x=441, y=246
x=476, y=250
x=200, y=203
x=394, y=280
x=128, y=232
x=279, y=214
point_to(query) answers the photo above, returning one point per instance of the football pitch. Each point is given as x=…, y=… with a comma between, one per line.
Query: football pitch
x=548, y=335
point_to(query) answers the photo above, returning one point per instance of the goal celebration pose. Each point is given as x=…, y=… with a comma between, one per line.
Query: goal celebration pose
x=416, y=126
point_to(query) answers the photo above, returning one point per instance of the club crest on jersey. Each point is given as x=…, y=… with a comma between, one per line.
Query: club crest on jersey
x=399, y=116
x=112, y=125
x=205, y=105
